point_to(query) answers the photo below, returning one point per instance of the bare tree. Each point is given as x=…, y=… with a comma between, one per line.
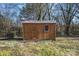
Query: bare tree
x=37, y=11
x=69, y=11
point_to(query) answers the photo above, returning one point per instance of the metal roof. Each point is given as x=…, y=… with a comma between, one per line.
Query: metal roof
x=34, y=21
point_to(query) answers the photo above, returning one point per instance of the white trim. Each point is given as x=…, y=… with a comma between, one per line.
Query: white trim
x=34, y=21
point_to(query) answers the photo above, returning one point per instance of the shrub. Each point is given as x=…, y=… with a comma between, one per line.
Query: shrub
x=10, y=35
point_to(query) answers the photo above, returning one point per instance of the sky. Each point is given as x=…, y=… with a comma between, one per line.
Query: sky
x=14, y=10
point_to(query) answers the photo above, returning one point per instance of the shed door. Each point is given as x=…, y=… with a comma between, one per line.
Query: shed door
x=46, y=31
x=34, y=32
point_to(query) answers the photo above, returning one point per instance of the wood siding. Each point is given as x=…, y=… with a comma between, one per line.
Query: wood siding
x=35, y=31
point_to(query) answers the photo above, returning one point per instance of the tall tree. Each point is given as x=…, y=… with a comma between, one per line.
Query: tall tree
x=10, y=13
x=68, y=12
x=37, y=11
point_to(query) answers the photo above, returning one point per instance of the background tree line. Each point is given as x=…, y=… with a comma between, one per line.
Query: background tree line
x=66, y=16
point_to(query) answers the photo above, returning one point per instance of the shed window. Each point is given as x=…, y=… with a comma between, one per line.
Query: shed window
x=46, y=28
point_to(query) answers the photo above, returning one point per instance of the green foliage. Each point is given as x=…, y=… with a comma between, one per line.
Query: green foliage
x=49, y=52
x=17, y=51
x=5, y=53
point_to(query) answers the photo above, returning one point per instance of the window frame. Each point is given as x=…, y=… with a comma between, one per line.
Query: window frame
x=46, y=28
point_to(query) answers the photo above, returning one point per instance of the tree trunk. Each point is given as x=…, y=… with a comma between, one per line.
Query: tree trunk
x=67, y=30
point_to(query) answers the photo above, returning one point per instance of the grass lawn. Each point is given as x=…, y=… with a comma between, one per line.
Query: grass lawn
x=60, y=47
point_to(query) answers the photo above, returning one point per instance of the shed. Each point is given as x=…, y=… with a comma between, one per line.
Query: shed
x=37, y=30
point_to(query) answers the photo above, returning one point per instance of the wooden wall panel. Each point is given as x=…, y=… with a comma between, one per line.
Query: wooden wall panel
x=35, y=31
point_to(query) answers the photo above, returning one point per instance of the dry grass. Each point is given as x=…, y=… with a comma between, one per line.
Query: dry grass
x=60, y=47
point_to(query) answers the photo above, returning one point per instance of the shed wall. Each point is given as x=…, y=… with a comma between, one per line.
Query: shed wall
x=35, y=31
